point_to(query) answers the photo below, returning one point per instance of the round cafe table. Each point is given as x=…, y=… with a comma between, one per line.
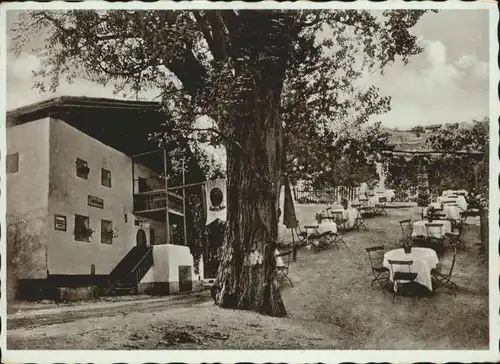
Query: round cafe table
x=327, y=226
x=419, y=228
x=424, y=260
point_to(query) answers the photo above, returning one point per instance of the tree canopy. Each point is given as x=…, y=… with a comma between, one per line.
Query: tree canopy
x=190, y=58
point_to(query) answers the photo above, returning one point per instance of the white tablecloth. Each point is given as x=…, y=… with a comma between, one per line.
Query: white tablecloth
x=454, y=192
x=424, y=259
x=279, y=260
x=349, y=215
x=373, y=200
x=419, y=228
x=327, y=225
x=435, y=205
x=459, y=200
x=451, y=211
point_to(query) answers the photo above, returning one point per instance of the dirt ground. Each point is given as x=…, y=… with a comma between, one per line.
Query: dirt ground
x=330, y=306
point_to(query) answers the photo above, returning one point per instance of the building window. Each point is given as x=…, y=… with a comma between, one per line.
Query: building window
x=83, y=232
x=12, y=162
x=106, y=232
x=105, y=177
x=82, y=168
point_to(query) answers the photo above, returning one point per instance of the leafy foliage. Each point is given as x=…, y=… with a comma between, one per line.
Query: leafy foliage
x=190, y=58
x=447, y=171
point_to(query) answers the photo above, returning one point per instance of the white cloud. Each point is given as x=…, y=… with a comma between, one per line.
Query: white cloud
x=433, y=89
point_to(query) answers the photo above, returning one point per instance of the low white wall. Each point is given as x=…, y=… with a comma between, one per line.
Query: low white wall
x=180, y=255
x=167, y=259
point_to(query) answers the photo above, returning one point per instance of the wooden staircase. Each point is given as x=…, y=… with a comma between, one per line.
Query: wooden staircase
x=125, y=277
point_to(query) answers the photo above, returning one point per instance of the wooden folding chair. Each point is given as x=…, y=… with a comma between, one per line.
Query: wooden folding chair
x=380, y=273
x=401, y=279
x=333, y=238
x=301, y=235
x=314, y=237
x=455, y=238
x=442, y=278
x=435, y=237
x=406, y=227
x=338, y=218
x=283, y=270
x=359, y=221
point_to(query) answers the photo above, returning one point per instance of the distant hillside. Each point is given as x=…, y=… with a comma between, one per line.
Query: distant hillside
x=408, y=140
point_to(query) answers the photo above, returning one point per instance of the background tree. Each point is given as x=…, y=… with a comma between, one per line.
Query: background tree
x=255, y=73
x=418, y=130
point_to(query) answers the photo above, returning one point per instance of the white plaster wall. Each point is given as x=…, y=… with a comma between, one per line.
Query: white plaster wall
x=27, y=201
x=69, y=196
x=167, y=259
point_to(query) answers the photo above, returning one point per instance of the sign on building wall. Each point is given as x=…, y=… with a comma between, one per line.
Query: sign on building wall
x=60, y=222
x=96, y=202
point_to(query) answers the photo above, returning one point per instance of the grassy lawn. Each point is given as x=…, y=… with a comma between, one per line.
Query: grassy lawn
x=333, y=287
x=331, y=306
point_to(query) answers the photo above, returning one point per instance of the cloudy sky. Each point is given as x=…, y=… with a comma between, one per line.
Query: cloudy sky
x=448, y=82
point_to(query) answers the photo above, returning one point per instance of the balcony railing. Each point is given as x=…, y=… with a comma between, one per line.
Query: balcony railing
x=155, y=201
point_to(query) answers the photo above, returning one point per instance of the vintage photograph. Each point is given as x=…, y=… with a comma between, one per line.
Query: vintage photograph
x=248, y=178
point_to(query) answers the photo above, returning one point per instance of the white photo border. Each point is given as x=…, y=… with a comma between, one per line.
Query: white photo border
x=260, y=356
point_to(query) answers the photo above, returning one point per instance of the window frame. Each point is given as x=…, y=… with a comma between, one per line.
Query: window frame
x=107, y=234
x=8, y=163
x=82, y=236
x=108, y=179
x=82, y=164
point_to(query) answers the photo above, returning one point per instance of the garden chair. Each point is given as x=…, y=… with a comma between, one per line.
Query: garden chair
x=283, y=270
x=338, y=218
x=359, y=221
x=444, y=279
x=401, y=279
x=335, y=238
x=406, y=228
x=455, y=238
x=314, y=237
x=435, y=237
x=380, y=273
x=301, y=235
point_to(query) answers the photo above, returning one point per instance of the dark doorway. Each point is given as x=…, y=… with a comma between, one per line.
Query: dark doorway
x=185, y=278
x=141, y=239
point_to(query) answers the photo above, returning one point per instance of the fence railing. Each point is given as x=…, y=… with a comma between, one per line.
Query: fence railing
x=331, y=195
x=156, y=200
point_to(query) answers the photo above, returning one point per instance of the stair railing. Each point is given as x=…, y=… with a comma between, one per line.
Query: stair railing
x=141, y=268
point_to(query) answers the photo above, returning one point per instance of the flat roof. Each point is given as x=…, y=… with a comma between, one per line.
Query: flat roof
x=42, y=109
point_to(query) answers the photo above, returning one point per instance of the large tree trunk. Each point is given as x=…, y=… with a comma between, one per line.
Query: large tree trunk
x=247, y=274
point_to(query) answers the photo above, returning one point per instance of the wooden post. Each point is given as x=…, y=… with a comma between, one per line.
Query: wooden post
x=133, y=177
x=294, y=248
x=184, y=202
x=167, y=222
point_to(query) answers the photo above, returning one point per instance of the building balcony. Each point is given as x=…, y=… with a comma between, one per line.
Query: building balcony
x=155, y=200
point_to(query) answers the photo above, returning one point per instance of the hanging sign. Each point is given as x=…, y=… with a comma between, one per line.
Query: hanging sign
x=216, y=200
